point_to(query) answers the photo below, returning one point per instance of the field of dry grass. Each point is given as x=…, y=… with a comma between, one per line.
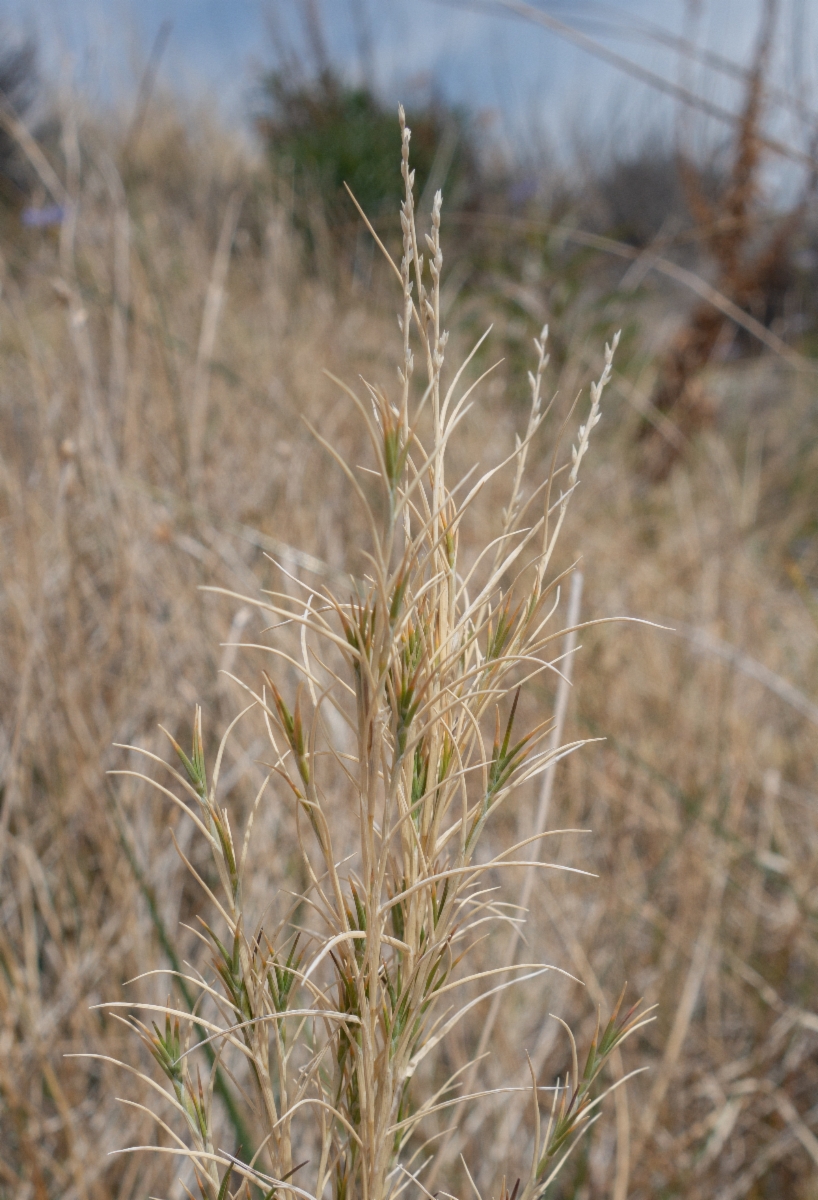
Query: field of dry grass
x=158, y=357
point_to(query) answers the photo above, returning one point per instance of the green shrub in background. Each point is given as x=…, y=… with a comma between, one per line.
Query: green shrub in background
x=18, y=84
x=326, y=133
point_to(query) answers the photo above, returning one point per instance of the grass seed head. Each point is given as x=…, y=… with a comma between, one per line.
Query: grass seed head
x=332, y=1021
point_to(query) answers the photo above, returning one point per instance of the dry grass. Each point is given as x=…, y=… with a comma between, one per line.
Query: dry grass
x=700, y=800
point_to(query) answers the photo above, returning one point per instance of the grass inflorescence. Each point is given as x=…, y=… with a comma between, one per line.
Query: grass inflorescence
x=384, y=747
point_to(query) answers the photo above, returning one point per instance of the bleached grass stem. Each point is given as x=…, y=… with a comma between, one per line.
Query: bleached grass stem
x=328, y=1025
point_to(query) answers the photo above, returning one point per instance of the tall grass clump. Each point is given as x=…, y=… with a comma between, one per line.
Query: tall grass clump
x=390, y=710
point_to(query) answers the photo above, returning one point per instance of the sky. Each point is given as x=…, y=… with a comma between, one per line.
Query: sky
x=532, y=84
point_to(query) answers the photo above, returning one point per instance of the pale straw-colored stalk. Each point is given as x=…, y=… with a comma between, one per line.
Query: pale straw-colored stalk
x=334, y=1007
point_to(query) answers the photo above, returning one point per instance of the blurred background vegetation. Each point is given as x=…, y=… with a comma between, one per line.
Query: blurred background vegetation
x=170, y=294
x=325, y=134
x=18, y=84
